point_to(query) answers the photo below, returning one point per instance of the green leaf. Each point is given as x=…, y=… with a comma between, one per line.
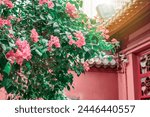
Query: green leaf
x=38, y=52
x=28, y=65
x=7, y=68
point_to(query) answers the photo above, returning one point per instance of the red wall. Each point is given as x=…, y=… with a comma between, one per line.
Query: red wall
x=95, y=86
x=128, y=80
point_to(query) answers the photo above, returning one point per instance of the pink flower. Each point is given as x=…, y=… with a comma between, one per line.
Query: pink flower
x=71, y=10
x=1, y=2
x=23, y=52
x=89, y=26
x=50, y=4
x=50, y=71
x=1, y=22
x=71, y=41
x=19, y=19
x=54, y=40
x=1, y=77
x=69, y=37
x=114, y=41
x=3, y=94
x=24, y=48
x=105, y=36
x=11, y=56
x=81, y=40
x=74, y=15
x=19, y=57
x=11, y=35
x=57, y=45
x=11, y=96
x=4, y=22
x=34, y=35
x=8, y=3
x=10, y=17
x=86, y=66
x=41, y=2
x=7, y=22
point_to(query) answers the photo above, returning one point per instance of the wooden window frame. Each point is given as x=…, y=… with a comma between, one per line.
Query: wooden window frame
x=140, y=75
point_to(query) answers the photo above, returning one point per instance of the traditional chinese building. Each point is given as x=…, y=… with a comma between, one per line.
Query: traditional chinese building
x=131, y=80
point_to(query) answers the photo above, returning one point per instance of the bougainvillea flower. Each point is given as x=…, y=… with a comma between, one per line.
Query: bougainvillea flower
x=71, y=41
x=3, y=93
x=19, y=57
x=7, y=22
x=34, y=35
x=81, y=40
x=1, y=22
x=50, y=4
x=41, y=2
x=11, y=56
x=86, y=66
x=24, y=47
x=8, y=3
x=23, y=52
x=114, y=40
x=54, y=40
x=4, y=22
x=71, y=10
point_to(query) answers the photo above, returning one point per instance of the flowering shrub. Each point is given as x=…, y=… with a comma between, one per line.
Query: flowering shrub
x=40, y=40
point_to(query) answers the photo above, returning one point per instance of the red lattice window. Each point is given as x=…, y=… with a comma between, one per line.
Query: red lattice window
x=144, y=75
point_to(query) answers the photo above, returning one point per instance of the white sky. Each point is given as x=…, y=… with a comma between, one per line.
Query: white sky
x=89, y=6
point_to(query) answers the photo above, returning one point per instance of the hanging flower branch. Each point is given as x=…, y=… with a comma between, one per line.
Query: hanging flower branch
x=40, y=40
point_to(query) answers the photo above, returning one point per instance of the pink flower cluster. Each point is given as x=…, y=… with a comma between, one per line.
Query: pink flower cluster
x=86, y=66
x=48, y=2
x=8, y=3
x=3, y=94
x=81, y=40
x=71, y=41
x=34, y=35
x=54, y=40
x=4, y=22
x=104, y=32
x=23, y=52
x=71, y=10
